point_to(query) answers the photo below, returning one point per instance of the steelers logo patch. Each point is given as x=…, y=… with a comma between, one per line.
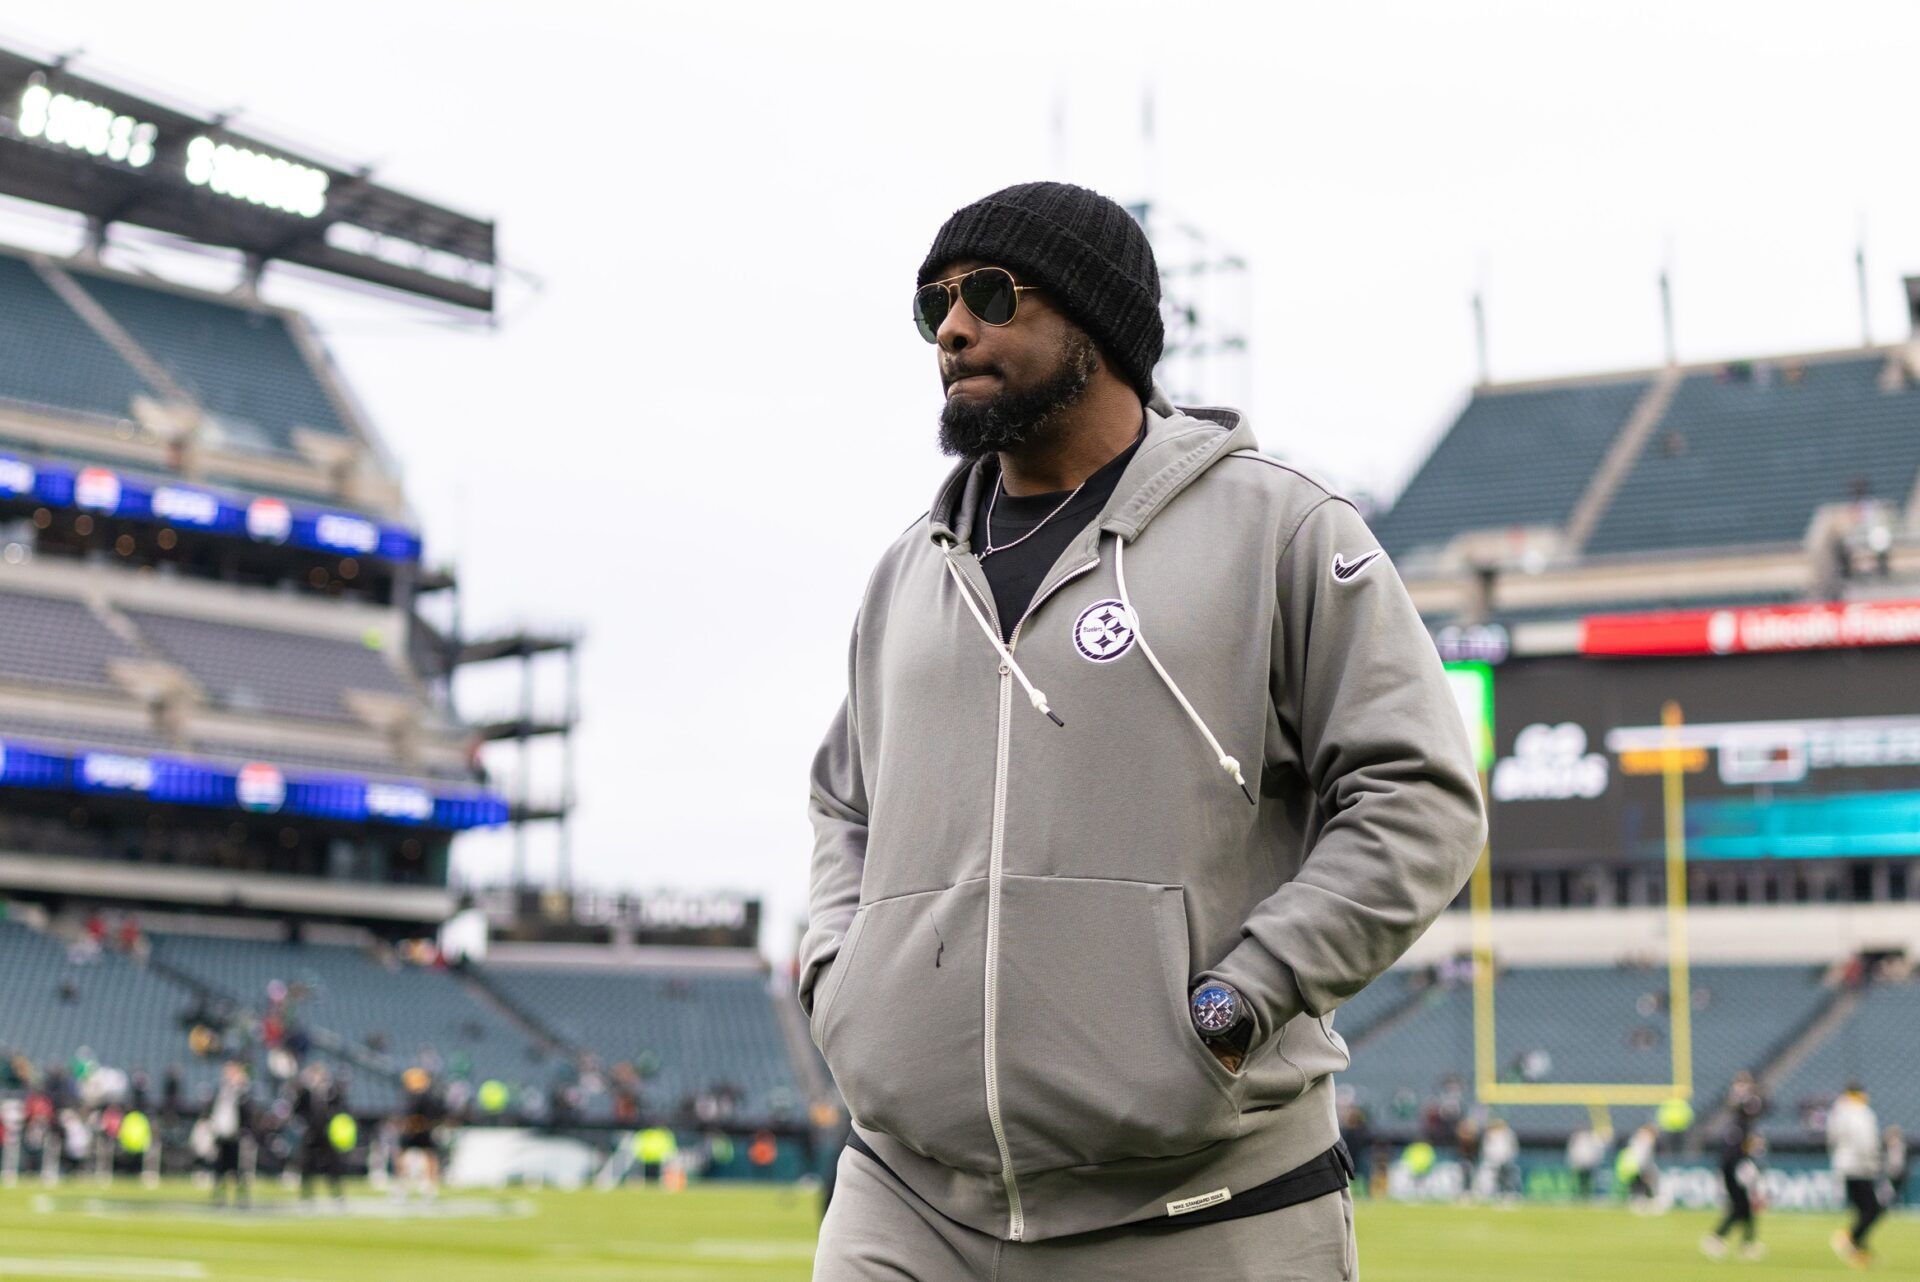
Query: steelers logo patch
x=1103, y=632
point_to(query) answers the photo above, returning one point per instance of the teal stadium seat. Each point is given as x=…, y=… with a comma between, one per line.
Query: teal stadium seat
x=50, y=358
x=1744, y=459
x=1512, y=458
x=240, y=363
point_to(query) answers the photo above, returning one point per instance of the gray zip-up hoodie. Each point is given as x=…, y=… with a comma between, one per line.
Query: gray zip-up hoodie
x=1007, y=914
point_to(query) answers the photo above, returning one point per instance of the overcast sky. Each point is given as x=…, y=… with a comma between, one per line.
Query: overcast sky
x=694, y=439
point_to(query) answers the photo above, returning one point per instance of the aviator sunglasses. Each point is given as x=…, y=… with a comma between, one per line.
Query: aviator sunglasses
x=988, y=292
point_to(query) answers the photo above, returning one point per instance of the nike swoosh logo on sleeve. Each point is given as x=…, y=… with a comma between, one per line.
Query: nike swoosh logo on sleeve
x=1344, y=570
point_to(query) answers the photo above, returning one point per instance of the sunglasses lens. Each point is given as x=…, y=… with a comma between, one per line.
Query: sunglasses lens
x=989, y=294
x=929, y=309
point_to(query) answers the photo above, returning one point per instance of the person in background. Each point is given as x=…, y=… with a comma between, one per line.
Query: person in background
x=1585, y=1150
x=318, y=1100
x=1745, y=1101
x=420, y=1120
x=1740, y=1173
x=1853, y=1138
x=1637, y=1169
x=1500, y=1162
x=1893, y=1149
x=230, y=1119
x=1467, y=1138
x=1357, y=1128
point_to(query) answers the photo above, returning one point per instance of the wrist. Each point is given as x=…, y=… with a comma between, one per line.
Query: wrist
x=1221, y=1018
x=1219, y=1010
x=1266, y=985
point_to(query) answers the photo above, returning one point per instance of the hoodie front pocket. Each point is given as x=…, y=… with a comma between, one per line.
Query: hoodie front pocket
x=837, y=971
x=903, y=1029
x=1099, y=1060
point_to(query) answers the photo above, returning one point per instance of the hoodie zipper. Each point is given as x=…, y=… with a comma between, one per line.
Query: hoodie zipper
x=1016, y=1214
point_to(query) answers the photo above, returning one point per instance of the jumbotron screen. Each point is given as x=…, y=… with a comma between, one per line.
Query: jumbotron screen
x=1786, y=756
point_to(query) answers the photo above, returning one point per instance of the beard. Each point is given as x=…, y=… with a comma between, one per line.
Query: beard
x=1018, y=418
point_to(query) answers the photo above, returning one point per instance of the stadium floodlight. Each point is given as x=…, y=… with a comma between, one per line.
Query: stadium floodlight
x=115, y=156
x=83, y=125
x=256, y=177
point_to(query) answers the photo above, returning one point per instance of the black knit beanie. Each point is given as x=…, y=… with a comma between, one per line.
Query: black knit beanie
x=1089, y=254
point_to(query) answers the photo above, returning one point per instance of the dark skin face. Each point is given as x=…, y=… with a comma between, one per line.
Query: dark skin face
x=980, y=360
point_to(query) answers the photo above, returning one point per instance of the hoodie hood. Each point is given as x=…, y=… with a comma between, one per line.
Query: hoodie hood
x=1180, y=445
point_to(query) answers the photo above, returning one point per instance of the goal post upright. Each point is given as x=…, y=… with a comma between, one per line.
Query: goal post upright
x=1480, y=902
x=1679, y=972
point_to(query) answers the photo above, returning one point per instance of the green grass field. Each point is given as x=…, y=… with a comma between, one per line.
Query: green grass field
x=756, y=1232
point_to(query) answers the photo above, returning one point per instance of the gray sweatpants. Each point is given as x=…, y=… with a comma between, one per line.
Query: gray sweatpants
x=878, y=1228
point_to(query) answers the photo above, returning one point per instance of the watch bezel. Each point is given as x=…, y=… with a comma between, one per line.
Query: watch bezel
x=1203, y=1018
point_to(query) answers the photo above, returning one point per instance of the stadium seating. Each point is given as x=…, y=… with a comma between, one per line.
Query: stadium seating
x=1584, y=1019
x=1357, y=1016
x=1743, y=457
x=1410, y=1054
x=242, y=365
x=1512, y=458
x=266, y=670
x=128, y=1017
x=55, y=639
x=1875, y=1047
x=704, y=1028
x=48, y=355
x=401, y=1012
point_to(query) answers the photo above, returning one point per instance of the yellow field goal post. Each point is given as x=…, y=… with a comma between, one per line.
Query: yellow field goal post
x=1473, y=684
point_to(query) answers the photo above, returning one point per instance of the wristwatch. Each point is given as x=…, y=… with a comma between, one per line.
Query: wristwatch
x=1221, y=1017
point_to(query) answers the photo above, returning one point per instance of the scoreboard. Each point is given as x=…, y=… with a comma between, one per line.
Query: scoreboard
x=1795, y=755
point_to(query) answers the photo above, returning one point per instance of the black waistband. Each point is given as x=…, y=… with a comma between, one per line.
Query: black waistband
x=1328, y=1173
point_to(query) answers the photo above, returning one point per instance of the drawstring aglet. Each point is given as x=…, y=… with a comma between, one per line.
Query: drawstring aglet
x=1039, y=700
x=1232, y=766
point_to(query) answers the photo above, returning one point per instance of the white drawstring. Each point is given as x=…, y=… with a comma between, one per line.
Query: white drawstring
x=1227, y=762
x=1035, y=696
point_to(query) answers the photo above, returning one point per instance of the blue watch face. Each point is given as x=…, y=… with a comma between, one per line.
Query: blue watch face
x=1215, y=1008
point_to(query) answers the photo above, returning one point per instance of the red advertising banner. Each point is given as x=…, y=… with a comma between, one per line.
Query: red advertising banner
x=1767, y=629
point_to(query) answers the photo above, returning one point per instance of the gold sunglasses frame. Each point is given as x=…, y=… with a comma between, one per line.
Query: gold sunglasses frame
x=952, y=284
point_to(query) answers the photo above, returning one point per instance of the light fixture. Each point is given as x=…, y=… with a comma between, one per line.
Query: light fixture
x=84, y=126
x=257, y=178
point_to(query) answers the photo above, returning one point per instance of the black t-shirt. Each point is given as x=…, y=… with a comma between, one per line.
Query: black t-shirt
x=1016, y=570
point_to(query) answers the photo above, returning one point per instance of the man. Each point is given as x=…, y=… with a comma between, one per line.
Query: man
x=1146, y=764
x=1586, y=1148
x=1740, y=1176
x=1853, y=1139
x=421, y=1117
x=230, y=1120
x=1636, y=1171
x=318, y=1102
x=1500, y=1163
x=1745, y=1101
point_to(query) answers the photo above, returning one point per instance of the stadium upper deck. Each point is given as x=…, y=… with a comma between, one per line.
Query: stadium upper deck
x=208, y=680
x=1757, y=481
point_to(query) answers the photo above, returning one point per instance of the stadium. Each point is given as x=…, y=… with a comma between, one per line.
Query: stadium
x=243, y=989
